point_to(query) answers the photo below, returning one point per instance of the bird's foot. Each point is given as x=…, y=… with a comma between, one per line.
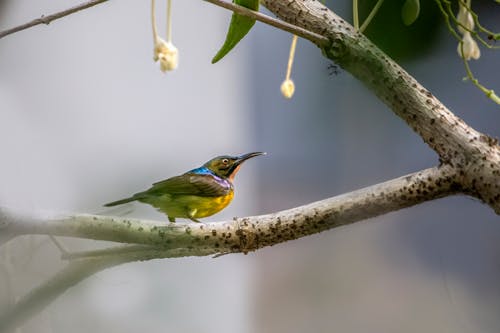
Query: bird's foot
x=191, y=215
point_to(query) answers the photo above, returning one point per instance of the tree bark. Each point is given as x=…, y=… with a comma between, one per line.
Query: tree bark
x=469, y=164
x=474, y=155
x=248, y=233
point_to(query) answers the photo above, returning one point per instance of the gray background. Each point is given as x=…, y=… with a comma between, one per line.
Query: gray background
x=87, y=117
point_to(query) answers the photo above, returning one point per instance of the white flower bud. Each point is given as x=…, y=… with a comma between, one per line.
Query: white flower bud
x=470, y=48
x=167, y=54
x=287, y=88
x=465, y=18
x=467, y=48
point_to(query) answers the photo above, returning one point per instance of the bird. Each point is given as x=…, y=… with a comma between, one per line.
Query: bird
x=198, y=193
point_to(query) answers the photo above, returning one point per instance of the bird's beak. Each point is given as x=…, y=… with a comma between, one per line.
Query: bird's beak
x=245, y=157
x=237, y=164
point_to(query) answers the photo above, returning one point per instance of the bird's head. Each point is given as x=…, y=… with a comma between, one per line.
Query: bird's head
x=227, y=166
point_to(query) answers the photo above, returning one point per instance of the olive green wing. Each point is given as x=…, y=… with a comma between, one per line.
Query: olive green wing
x=189, y=184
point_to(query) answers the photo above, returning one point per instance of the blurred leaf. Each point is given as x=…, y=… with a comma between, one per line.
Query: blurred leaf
x=410, y=11
x=399, y=41
x=240, y=25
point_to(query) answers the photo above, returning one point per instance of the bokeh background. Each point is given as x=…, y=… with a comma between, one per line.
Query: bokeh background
x=87, y=117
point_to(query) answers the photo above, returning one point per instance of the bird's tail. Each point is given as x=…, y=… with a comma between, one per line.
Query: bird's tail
x=120, y=202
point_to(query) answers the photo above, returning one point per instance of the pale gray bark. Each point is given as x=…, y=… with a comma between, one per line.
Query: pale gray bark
x=248, y=233
x=469, y=164
x=474, y=155
x=167, y=240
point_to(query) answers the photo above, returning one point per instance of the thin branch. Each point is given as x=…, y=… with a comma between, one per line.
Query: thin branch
x=314, y=37
x=372, y=14
x=110, y=251
x=294, y=29
x=490, y=93
x=249, y=233
x=355, y=14
x=52, y=17
x=59, y=245
x=76, y=271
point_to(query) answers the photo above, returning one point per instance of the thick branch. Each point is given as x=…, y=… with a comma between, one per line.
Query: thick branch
x=52, y=17
x=240, y=235
x=475, y=155
x=250, y=233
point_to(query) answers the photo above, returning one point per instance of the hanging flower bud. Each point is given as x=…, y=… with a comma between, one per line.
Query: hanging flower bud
x=164, y=51
x=464, y=17
x=167, y=54
x=469, y=47
x=287, y=88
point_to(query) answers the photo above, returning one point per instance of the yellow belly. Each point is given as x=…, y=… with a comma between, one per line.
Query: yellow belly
x=210, y=206
x=182, y=205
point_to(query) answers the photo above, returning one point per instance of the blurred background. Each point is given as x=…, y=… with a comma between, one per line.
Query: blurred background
x=87, y=117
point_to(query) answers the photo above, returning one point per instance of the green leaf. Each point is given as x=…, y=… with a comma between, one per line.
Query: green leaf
x=240, y=25
x=410, y=11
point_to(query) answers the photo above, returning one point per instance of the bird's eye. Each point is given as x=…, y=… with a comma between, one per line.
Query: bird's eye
x=225, y=161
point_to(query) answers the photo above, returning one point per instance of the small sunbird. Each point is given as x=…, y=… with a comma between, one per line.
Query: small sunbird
x=198, y=193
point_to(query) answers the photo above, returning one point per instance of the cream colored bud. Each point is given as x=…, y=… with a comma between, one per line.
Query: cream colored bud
x=167, y=54
x=288, y=88
x=470, y=48
x=465, y=18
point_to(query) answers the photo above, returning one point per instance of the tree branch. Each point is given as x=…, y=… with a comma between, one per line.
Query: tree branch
x=475, y=156
x=248, y=233
x=471, y=165
x=52, y=17
x=312, y=36
x=76, y=271
x=158, y=240
x=316, y=38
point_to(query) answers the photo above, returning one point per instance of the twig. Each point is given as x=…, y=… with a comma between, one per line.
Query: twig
x=59, y=245
x=371, y=15
x=117, y=250
x=38, y=298
x=314, y=37
x=355, y=14
x=296, y=30
x=52, y=17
